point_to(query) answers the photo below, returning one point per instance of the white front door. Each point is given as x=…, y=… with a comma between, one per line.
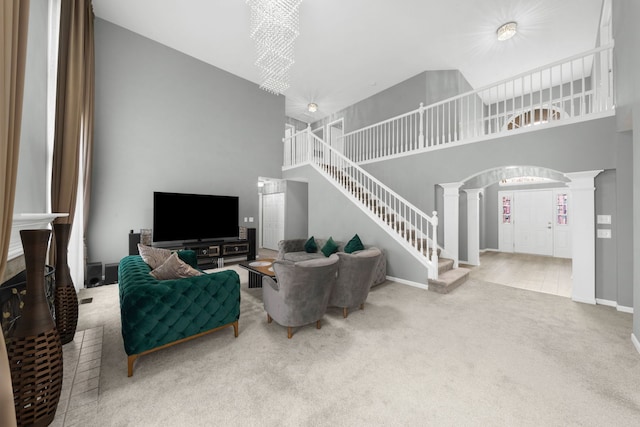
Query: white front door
x=533, y=225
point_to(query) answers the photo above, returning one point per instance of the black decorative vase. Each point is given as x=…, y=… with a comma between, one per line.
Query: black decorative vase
x=33, y=347
x=66, y=299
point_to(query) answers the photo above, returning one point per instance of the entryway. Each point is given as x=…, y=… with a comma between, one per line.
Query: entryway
x=535, y=222
x=531, y=272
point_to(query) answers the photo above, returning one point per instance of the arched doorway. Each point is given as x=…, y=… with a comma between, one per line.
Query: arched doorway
x=579, y=186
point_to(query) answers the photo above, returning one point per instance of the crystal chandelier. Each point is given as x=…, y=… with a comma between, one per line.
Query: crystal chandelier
x=274, y=27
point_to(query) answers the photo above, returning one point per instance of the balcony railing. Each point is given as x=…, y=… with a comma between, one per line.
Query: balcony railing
x=577, y=88
x=407, y=224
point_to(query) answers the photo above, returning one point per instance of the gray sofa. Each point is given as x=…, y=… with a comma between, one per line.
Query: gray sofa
x=293, y=250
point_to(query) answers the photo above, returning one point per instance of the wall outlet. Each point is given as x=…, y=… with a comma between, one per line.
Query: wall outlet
x=604, y=233
x=250, y=219
x=604, y=219
x=245, y=219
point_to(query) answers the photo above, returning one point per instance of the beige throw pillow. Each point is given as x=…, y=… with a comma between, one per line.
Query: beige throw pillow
x=174, y=268
x=154, y=257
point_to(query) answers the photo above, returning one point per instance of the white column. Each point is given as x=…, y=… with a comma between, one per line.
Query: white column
x=451, y=219
x=582, y=215
x=473, y=225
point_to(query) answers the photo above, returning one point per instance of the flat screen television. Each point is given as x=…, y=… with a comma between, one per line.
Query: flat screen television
x=194, y=217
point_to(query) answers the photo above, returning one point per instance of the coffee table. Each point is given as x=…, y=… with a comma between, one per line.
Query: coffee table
x=257, y=269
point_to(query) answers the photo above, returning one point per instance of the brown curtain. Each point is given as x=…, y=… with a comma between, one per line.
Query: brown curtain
x=87, y=130
x=14, y=16
x=74, y=107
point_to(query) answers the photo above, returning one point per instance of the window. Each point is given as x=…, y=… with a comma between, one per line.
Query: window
x=534, y=117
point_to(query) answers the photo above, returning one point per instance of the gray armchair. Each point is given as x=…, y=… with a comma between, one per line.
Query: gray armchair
x=356, y=275
x=301, y=293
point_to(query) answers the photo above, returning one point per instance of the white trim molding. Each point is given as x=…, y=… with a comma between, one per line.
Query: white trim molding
x=582, y=189
x=609, y=303
x=408, y=283
x=635, y=342
x=451, y=219
x=473, y=225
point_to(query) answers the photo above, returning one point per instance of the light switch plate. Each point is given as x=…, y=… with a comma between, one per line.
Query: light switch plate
x=604, y=219
x=604, y=233
x=250, y=219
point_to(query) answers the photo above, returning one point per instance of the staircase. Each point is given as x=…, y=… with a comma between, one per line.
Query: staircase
x=449, y=278
x=575, y=89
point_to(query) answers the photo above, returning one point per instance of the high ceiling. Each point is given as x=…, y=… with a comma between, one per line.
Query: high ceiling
x=349, y=50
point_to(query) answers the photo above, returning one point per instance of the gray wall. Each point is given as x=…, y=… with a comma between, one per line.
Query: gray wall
x=296, y=214
x=332, y=214
x=31, y=179
x=427, y=87
x=627, y=64
x=165, y=121
x=606, y=249
x=584, y=146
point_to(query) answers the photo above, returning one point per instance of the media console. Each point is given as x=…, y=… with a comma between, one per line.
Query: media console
x=211, y=254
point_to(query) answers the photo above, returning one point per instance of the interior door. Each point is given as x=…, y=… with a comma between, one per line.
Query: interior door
x=533, y=222
x=272, y=220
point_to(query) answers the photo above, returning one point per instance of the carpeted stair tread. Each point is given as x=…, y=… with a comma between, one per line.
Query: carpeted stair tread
x=449, y=280
x=444, y=265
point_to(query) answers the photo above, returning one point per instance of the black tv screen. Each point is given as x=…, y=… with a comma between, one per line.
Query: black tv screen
x=184, y=217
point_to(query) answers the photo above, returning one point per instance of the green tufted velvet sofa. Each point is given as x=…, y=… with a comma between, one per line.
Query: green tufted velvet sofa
x=156, y=314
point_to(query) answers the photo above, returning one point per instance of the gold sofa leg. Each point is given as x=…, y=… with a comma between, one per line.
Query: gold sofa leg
x=345, y=312
x=362, y=306
x=130, y=361
x=318, y=325
x=289, y=332
x=269, y=319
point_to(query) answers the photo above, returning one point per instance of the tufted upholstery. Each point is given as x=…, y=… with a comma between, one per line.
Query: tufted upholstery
x=158, y=312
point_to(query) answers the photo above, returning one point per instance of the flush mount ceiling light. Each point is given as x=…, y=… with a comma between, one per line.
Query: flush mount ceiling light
x=274, y=27
x=313, y=107
x=506, y=31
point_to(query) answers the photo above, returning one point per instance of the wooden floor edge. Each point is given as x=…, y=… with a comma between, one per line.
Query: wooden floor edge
x=132, y=358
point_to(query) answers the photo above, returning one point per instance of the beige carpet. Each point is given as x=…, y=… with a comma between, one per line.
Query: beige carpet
x=485, y=354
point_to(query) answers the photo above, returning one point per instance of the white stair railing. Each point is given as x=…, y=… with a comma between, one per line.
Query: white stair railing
x=577, y=88
x=404, y=222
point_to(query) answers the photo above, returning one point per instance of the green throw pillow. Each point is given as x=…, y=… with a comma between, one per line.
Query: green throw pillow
x=189, y=256
x=329, y=247
x=355, y=244
x=310, y=246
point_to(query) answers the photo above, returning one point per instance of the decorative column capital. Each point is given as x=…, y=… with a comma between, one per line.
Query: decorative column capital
x=451, y=188
x=582, y=180
x=474, y=193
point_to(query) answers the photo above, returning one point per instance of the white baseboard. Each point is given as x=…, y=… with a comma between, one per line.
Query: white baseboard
x=584, y=300
x=489, y=250
x=609, y=303
x=408, y=282
x=635, y=342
